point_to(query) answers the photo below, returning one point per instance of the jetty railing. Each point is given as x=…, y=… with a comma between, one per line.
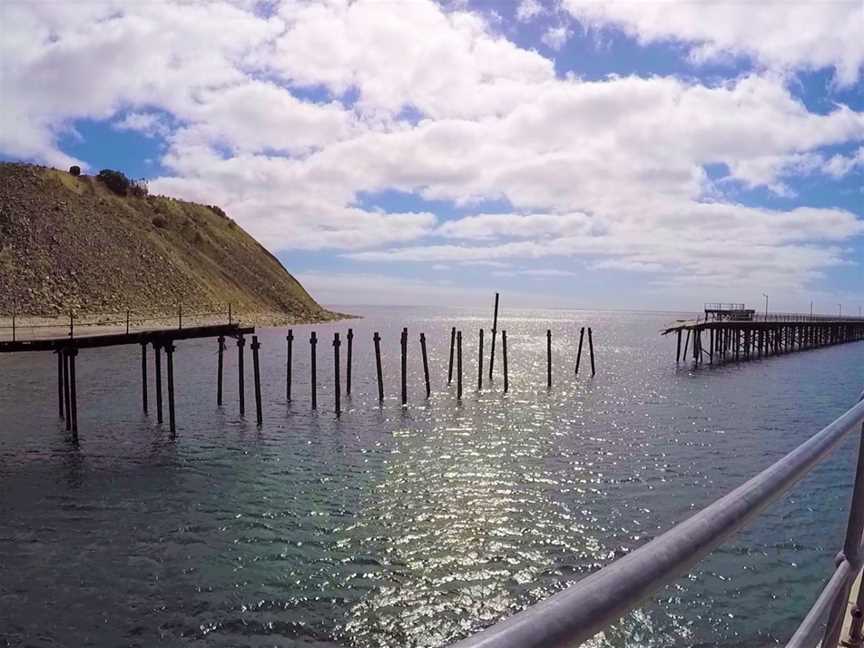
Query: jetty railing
x=14, y=324
x=599, y=600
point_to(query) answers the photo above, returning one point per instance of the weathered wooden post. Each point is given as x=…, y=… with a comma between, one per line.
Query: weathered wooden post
x=73, y=396
x=241, y=378
x=67, y=399
x=677, y=356
x=591, y=350
x=220, y=365
x=494, y=334
x=288, y=364
x=404, y=344
x=579, y=352
x=425, y=364
x=459, y=365
x=686, y=343
x=169, y=356
x=313, y=342
x=450, y=365
x=504, y=351
x=60, y=382
x=157, y=354
x=337, y=393
x=377, y=340
x=480, y=364
x=548, y=359
x=348, y=362
x=256, y=371
x=144, y=376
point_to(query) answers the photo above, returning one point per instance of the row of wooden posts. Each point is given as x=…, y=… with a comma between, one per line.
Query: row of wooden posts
x=455, y=355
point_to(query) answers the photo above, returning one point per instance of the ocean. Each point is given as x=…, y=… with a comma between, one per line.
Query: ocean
x=415, y=527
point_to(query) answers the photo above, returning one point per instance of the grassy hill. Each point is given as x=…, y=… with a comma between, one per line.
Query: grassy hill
x=69, y=242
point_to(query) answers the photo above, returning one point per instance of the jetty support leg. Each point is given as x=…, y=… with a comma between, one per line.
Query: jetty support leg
x=219, y=370
x=157, y=354
x=582, y=337
x=66, y=394
x=337, y=386
x=452, y=345
x=480, y=364
x=494, y=334
x=256, y=371
x=348, y=361
x=504, y=351
x=144, y=376
x=313, y=343
x=425, y=364
x=591, y=351
x=377, y=340
x=241, y=378
x=288, y=364
x=169, y=356
x=459, y=365
x=548, y=359
x=60, y=382
x=73, y=393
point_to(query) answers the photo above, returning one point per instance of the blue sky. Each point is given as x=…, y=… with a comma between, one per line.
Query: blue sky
x=573, y=154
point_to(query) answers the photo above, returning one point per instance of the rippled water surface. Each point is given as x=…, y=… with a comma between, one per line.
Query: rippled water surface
x=408, y=528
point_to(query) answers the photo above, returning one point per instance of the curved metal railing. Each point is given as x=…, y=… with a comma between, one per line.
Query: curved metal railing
x=597, y=601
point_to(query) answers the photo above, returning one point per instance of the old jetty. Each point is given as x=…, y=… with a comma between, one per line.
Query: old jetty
x=733, y=332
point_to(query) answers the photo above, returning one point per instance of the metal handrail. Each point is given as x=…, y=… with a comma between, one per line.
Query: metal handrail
x=600, y=599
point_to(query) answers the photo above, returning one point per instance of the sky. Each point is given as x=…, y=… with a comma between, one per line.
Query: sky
x=573, y=154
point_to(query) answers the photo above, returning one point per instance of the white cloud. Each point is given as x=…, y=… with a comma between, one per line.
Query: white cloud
x=527, y=10
x=779, y=35
x=285, y=119
x=556, y=37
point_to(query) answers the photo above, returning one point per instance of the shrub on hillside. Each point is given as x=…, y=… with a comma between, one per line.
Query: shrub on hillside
x=75, y=170
x=116, y=181
x=139, y=188
x=218, y=210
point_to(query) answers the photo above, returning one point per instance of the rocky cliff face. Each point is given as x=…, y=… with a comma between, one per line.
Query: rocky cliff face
x=68, y=242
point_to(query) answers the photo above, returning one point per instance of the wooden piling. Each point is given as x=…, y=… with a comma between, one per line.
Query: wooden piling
x=548, y=359
x=686, y=343
x=220, y=366
x=377, y=340
x=494, y=335
x=60, y=383
x=459, y=365
x=425, y=364
x=157, y=354
x=66, y=393
x=677, y=356
x=348, y=361
x=579, y=352
x=450, y=365
x=404, y=373
x=169, y=356
x=313, y=342
x=144, y=376
x=256, y=371
x=480, y=364
x=241, y=379
x=504, y=352
x=289, y=364
x=73, y=393
x=591, y=351
x=337, y=387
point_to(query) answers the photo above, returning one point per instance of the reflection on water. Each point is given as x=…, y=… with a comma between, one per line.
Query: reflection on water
x=408, y=528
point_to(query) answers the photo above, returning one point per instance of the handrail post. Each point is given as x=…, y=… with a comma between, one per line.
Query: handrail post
x=851, y=547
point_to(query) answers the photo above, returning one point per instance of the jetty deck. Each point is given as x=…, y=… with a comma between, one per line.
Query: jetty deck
x=740, y=334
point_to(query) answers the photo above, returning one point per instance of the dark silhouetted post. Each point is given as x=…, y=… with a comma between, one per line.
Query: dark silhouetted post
x=348, y=362
x=66, y=394
x=144, y=376
x=494, y=335
x=219, y=370
x=73, y=395
x=450, y=365
x=504, y=350
x=404, y=344
x=591, y=350
x=480, y=364
x=549, y=358
x=377, y=340
x=241, y=379
x=256, y=371
x=288, y=364
x=678, y=356
x=579, y=352
x=169, y=356
x=459, y=365
x=425, y=364
x=60, y=382
x=313, y=342
x=157, y=353
x=337, y=388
